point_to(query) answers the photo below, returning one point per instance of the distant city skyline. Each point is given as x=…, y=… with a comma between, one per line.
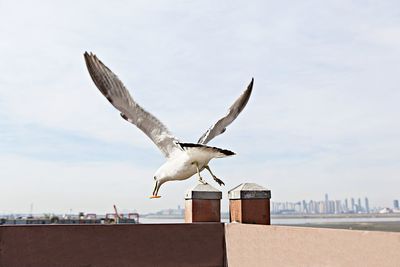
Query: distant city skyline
x=328, y=206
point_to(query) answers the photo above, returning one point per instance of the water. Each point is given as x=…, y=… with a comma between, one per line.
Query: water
x=330, y=220
x=158, y=220
x=287, y=221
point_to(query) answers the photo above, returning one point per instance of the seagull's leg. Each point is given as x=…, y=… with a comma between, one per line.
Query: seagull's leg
x=198, y=172
x=219, y=181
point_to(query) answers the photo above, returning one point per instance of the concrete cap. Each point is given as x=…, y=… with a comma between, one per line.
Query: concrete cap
x=203, y=191
x=249, y=191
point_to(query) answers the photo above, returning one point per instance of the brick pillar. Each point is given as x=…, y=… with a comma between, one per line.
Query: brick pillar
x=202, y=204
x=249, y=203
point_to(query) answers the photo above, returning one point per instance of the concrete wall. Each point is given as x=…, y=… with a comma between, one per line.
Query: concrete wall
x=199, y=244
x=259, y=245
x=112, y=245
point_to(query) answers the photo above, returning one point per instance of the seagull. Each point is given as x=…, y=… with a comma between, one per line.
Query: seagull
x=183, y=160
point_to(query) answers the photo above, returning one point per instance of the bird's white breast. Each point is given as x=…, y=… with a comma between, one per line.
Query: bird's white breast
x=181, y=165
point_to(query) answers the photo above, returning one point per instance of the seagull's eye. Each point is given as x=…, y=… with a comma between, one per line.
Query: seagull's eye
x=155, y=178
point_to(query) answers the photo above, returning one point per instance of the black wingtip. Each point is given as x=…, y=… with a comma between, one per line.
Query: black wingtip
x=227, y=152
x=86, y=54
x=250, y=86
x=89, y=54
x=251, y=83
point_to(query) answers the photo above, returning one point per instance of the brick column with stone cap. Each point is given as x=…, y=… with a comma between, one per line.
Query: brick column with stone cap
x=203, y=204
x=249, y=203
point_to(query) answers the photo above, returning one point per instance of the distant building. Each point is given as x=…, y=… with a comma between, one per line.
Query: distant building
x=326, y=204
x=331, y=207
x=396, y=204
x=312, y=207
x=338, y=206
x=346, y=205
x=385, y=210
x=353, y=205
x=359, y=206
x=366, y=205
x=322, y=207
x=304, y=208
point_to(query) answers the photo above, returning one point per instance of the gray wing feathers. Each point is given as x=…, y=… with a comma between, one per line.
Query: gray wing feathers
x=113, y=89
x=220, y=126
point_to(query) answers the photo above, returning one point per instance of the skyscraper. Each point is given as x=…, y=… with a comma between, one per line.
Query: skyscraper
x=346, y=205
x=331, y=207
x=304, y=207
x=322, y=207
x=327, y=204
x=312, y=206
x=396, y=204
x=366, y=205
x=353, y=205
x=359, y=206
x=338, y=206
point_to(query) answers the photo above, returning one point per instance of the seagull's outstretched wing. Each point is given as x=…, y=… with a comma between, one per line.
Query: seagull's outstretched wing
x=114, y=90
x=220, y=126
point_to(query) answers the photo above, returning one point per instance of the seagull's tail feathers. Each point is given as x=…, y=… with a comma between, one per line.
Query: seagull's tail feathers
x=215, y=152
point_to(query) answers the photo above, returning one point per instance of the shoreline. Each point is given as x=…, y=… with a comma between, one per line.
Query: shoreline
x=329, y=216
x=293, y=216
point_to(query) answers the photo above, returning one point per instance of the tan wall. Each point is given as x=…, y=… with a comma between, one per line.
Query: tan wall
x=112, y=245
x=262, y=245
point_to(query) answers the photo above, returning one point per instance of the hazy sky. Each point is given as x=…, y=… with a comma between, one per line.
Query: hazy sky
x=323, y=117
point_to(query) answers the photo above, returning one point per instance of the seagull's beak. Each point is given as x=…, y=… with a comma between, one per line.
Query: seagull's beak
x=156, y=188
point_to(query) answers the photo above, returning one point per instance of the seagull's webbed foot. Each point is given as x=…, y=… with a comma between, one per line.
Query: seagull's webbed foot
x=202, y=181
x=219, y=181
